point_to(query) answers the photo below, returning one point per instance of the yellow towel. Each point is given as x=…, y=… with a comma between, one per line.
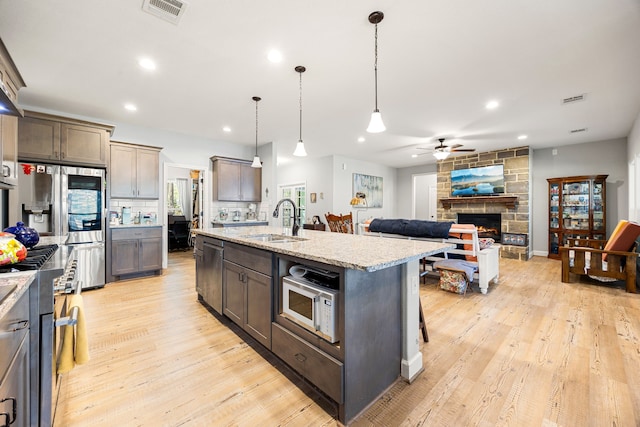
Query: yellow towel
x=75, y=347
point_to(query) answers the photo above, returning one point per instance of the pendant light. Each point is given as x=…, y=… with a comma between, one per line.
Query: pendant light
x=300, y=151
x=256, y=159
x=376, y=125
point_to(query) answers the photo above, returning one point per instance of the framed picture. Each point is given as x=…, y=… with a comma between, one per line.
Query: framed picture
x=371, y=186
x=514, y=239
x=312, y=197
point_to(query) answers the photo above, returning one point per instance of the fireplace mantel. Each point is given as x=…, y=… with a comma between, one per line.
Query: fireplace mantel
x=510, y=201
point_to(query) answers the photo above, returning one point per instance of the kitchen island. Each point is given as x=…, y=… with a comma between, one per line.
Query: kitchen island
x=377, y=304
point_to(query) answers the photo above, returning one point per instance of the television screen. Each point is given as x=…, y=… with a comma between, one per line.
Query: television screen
x=481, y=181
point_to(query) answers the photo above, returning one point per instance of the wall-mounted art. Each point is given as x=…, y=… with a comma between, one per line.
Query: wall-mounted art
x=371, y=186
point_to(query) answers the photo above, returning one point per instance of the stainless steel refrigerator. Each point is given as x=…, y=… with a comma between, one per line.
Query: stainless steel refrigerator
x=69, y=202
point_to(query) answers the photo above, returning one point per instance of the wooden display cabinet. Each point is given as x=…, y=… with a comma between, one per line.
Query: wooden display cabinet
x=577, y=209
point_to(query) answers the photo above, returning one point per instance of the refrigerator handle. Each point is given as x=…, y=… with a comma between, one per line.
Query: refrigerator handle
x=63, y=203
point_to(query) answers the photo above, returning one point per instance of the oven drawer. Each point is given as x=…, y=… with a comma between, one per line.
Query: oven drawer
x=318, y=367
x=13, y=327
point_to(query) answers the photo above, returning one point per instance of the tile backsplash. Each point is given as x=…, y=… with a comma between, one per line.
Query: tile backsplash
x=150, y=208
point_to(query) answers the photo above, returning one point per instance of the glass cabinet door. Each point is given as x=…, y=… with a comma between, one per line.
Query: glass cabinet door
x=575, y=205
x=554, y=205
x=598, y=208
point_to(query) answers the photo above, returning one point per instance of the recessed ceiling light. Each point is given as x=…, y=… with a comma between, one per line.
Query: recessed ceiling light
x=226, y=129
x=274, y=56
x=492, y=105
x=130, y=107
x=414, y=155
x=521, y=137
x=361, y=139
x=147, y=64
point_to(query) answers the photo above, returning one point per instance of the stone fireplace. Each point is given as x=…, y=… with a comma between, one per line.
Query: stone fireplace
x=488, y=225
x=512, y=208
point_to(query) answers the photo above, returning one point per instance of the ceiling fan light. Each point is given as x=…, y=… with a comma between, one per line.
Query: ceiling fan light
x=300, y=151
x=376, y=125
x=441, y=155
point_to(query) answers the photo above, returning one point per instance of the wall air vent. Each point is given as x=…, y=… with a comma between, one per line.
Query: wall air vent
x=578, y=130
x=169, y=10
x=572, y=99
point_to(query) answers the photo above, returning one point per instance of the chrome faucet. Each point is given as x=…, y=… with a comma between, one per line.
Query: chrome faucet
x=296, y=226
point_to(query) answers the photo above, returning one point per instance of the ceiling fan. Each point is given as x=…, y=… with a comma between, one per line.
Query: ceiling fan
x=442, y=151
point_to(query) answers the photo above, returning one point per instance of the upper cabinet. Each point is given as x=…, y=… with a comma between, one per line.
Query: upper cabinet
x=47, y=138
x=10, y=83
x=234, y=180
x=134, y=171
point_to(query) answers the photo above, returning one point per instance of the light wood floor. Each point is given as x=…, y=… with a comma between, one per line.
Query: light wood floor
x=532, y=352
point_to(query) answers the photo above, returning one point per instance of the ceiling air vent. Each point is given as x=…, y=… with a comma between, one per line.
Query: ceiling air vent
x=169, y=10
x=572, y=99
x=578, y=130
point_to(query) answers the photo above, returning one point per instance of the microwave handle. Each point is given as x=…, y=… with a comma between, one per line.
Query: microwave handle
x=316, y=312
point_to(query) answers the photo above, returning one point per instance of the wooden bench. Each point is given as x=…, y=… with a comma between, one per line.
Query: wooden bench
x=487, y=260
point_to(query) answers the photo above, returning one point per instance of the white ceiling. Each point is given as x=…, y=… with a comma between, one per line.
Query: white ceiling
x=439, y=62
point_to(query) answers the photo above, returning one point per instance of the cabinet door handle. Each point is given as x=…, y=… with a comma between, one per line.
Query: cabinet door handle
x=62, y=154
x=300, y=357
x=14, y=410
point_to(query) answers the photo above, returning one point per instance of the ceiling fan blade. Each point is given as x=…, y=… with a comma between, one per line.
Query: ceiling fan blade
x=456, y=145
x=464, y=150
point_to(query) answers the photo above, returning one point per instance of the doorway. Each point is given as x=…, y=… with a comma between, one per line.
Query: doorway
x=425, y=197
x=183, y=201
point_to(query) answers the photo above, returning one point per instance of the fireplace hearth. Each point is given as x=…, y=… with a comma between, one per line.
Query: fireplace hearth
x=488, y=225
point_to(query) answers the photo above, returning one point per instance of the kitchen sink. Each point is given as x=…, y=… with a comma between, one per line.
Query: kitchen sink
x=274, y=238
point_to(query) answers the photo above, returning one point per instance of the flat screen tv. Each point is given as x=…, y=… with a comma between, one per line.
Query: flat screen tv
x=480, y=181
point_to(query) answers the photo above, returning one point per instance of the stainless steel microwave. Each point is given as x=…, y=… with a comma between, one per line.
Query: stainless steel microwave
x=312, y=306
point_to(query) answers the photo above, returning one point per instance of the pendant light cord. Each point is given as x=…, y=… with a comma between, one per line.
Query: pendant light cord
x=256, y=128
x=375, y=66
x=300, y=106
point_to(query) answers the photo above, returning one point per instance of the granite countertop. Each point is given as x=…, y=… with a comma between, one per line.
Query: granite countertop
x=21, y=282
x=353, y=251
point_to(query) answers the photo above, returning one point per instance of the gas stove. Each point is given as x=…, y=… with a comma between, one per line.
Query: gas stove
x=36, y=258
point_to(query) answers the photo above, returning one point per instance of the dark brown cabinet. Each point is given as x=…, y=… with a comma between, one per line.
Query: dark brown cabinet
x=10, y=83
x=577, y=209
x=209, y=255
x=234, y=180
x=134, y=171
x=42, y=137
x=8, y=147
x=247, y=290
x=136, y=250
x=14, y=364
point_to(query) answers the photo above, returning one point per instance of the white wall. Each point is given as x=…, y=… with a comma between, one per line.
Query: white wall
x=343, y=170
x=633, y=158
x=404, y=184
x=596, y=158
x=331, y=178
x=317, y=174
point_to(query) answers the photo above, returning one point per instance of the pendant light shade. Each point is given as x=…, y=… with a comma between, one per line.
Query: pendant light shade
x=376, y=125
x=300, y=151
x=256, y=159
